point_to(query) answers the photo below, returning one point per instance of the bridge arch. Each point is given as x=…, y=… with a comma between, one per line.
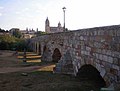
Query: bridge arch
x=56, y=55
x=39, y=49
x=44, y=48
x=89, y=72
x=46, y=53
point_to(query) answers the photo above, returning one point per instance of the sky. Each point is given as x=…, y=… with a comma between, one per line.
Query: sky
x=79, y=13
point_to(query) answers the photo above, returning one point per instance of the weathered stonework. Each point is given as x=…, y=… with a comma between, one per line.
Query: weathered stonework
x=99, y=47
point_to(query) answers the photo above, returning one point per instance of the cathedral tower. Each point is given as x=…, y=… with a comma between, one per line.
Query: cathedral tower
x=59, y=24
x=47, y=26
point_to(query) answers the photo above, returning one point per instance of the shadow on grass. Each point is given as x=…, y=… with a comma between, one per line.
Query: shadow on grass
x=58, y=82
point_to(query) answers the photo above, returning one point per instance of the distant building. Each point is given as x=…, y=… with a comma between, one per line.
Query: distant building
x=28, y=36
x=13, y=29
x=28, y=33
x=50, y=29
x=25, y=33
x=5, y=33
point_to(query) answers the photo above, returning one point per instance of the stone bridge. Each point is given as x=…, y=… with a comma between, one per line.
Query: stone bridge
x=99, y=47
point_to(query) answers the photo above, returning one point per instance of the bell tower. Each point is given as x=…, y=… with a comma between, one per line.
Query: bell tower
x=59, y=24
x=47, y=25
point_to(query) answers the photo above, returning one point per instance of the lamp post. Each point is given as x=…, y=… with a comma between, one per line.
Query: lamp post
x=64, y=17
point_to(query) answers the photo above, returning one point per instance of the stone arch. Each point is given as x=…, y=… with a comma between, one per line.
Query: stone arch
x=44, y=48
x=39, y=49
x=35, y=46
x=56, y=55
x=44, y=54
x=89, y=72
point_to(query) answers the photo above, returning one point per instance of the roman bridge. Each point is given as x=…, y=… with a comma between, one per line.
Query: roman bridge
x=99, y=47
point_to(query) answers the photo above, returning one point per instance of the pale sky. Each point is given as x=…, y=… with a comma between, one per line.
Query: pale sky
x=79, y=13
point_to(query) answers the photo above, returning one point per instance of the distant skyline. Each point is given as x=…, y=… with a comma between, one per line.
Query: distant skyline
x=79, y=13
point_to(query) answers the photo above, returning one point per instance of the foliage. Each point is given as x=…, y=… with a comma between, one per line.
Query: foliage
x=66, y=29
x=39, y=33
x=20, y=45
x=8, y=42
x=7, y=38
x=2, y=30
x=17, y=33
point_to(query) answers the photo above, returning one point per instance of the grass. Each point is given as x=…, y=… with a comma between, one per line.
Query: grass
x=42, y=79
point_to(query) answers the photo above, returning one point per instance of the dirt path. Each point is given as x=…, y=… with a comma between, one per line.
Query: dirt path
x=18, y=69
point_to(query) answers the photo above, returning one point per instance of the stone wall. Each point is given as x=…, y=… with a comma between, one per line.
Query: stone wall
x=99, y=47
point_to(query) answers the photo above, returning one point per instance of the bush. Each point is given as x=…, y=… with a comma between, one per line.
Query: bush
x=12, y=43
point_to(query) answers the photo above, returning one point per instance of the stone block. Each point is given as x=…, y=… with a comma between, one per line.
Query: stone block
x=116, y=54
x=110, y=59
x=113, y=71
x=115, y=61
x=98, y=66
x=116, y=67
x=100, y=56
x=103, y=64
x=103, y=51
x=82, y=43
x=97, y=61
x=88, y=48
x=96, y=44
x=94, y=54
x=82, y=62
x=102, y=72
x=108, y=52
x=108, y=65
x=119, y=72
x=97, y=55
x=81, y=38
x=99, y=51
x=102, y=40
x=118, y=33
x=105, y=58
x=82, y=52
x=78, y=46
x=98, y=32
x=95, y=33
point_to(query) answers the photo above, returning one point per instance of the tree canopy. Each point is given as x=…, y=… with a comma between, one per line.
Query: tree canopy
x=8, y=42
x=39, y=33
x=2, y=30
x=17, y=33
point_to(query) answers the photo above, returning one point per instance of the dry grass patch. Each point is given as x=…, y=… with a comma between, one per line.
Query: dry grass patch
x=47, y=68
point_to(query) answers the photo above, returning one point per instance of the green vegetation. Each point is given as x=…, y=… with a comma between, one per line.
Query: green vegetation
x=14, y=40
x=17, y=33
x=39, y=33
x=8, y=42
x=2, y=30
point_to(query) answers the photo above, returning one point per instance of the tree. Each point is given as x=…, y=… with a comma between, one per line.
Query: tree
x=6, y=42
x=17, y=33
x=39, y=33
x=12, y=43
x=2, y=30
